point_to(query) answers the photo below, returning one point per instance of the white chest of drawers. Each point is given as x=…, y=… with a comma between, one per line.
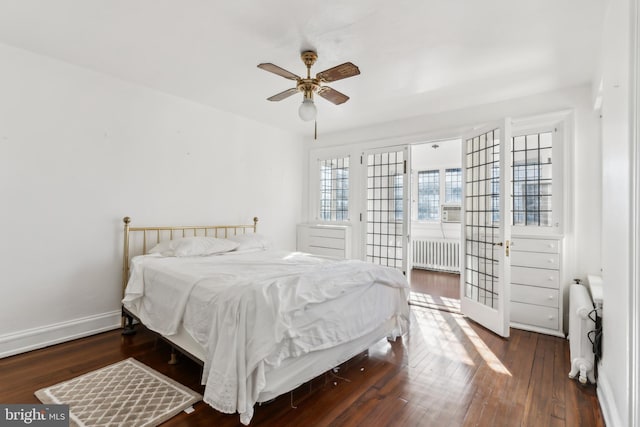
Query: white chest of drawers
x=326, y=240
x=536, y=291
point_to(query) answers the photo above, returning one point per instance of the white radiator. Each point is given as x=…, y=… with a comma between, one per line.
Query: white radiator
x=582, y=357
x=437, y=254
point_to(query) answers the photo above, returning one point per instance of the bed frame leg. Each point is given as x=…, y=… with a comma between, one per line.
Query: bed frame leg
x=174, y=357
x=128, y=327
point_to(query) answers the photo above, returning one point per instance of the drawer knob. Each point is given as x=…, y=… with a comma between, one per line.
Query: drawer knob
x=550, y=278
x=550, y=260
x=550, y=297
x=551, y=245
x=550, y=317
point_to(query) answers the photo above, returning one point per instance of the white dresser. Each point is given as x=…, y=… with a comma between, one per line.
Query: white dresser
x=536, y=285
x=327, y=240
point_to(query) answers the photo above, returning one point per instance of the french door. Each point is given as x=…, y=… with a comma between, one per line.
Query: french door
x=485, y=277
x=387, y=205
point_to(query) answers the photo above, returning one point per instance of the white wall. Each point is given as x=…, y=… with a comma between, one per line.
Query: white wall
x=616, y=237
x=583, y=194
x=80, y=150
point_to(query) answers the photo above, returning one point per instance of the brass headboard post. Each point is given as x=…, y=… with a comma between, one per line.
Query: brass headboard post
x=125, y=259
x=125, y=271
x=255, y=224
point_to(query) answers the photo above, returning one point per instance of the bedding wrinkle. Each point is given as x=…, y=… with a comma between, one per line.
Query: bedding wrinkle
x=252, y=311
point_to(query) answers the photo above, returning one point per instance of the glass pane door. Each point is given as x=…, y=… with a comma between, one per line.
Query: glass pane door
x=486, y=273
x=386, y=207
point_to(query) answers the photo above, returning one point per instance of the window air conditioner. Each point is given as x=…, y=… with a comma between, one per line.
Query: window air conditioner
x=451, y=213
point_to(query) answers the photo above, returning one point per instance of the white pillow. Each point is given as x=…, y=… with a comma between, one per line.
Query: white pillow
x=250, y=241
x=163, y=248
x=194, y=246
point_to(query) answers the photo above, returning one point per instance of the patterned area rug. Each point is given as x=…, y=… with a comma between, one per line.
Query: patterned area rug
x=127, y=393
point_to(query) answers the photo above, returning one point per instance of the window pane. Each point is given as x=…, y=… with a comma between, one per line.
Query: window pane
x=429, y=195
x=453, y=185
x=334, y=189
x=532, y=179
x=545, y=140
x=519, y=143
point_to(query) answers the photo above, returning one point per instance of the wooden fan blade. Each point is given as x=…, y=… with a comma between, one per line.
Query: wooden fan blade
x=282, y=95
x=338, y=72
x=332, y=95
x=279, y=71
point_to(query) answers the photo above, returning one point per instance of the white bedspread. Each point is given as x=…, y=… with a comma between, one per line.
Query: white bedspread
x=251, y=311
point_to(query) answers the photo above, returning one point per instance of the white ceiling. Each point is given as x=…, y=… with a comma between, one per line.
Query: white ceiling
x=415, y=56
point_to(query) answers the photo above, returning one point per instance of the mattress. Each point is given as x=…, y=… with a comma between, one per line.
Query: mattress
x=260, y=319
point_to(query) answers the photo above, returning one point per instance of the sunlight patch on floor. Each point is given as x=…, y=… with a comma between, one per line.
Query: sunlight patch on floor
x=450, y=304
x=485, y=352
x=440, y=338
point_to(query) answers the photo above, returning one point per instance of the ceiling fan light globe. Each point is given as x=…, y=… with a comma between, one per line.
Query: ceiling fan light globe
x=307, y=110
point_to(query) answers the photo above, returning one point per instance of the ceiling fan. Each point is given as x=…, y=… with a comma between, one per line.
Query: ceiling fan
x=308, y=86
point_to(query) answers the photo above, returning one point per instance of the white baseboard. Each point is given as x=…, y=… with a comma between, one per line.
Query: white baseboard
x=32, y=339
x=607, y=403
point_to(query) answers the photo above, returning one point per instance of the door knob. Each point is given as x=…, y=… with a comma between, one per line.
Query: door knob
x=505, y=244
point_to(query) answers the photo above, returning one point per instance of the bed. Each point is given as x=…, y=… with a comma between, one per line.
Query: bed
x=261, y=321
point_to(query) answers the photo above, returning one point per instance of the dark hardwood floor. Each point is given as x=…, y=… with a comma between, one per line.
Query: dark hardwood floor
x=447, y=371
x=435, y=289
x=436, y=283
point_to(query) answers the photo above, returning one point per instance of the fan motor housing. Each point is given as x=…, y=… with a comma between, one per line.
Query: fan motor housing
x=309, y=58
x=308, y=86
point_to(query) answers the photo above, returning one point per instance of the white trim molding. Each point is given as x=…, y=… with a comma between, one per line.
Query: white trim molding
x=608, y=405
x=32, y=339
x=634, y=283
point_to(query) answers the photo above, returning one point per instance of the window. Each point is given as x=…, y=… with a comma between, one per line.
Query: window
x=453, y=185
x=429, y=195
x=532, y=179
x=334, y=189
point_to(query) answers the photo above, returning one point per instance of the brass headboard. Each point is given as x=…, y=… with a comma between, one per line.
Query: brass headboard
x=138, y=239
